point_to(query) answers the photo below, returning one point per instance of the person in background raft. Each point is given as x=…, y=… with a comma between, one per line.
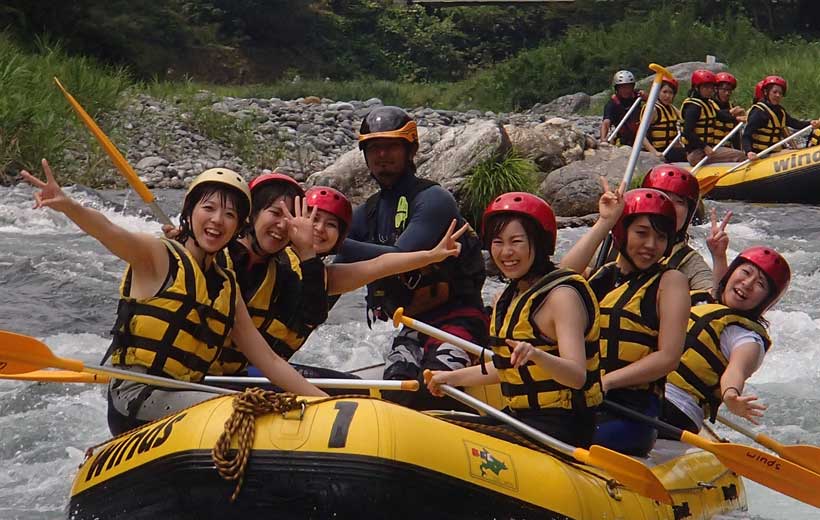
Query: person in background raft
x=768, y=120
x=726, y=339
x=178, y=308
x=412, y=214
x=726, y=85
x=699, y=116
x=543, y=329
x=665, y=125
x=682, y=189
x=644, y=310
x=618, y=105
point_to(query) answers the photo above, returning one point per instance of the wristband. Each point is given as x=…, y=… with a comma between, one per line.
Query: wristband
x=723, y=395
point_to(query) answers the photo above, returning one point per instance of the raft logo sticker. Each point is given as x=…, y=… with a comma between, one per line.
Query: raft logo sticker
x=491, y=465
x=141, y=441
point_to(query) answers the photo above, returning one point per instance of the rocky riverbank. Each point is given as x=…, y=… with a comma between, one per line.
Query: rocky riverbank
x=171, y=140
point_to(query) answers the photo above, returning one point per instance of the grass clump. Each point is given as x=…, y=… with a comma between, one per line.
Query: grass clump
x=497, y=175
x=35, y=119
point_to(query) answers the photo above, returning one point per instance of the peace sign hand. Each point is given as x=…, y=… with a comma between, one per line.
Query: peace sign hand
x=611, y=203
x=50, y=194
x=718, y=239
x=449, y=244
x=300, y=227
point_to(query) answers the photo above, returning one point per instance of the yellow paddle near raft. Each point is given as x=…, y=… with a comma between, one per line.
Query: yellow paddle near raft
x=119, y=161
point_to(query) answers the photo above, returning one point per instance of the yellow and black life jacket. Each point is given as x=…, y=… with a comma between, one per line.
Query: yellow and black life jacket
x=705, y=125
x=531, y=387
x=703, y=363
x=770, y=134
x=723, y=128
x=680, y=254
x=270, y=306
x=665, y=127
x=814, y=138
x=629, y=319
x=178, y=332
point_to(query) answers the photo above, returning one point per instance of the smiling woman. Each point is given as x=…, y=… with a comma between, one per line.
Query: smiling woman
x=157, y=331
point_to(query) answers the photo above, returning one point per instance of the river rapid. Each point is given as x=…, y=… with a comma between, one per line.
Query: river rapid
x=60, y=286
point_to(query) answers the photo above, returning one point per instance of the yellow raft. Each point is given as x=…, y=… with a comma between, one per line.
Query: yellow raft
x=790, y=176
x=357, y=457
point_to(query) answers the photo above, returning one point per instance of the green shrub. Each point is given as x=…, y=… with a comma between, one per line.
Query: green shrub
x=35, y=120
x=497, y=175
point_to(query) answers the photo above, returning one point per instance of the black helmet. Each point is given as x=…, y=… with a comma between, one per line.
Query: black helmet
x=390, y=122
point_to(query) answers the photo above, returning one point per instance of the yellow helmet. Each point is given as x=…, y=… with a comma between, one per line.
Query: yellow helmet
x=222, y=176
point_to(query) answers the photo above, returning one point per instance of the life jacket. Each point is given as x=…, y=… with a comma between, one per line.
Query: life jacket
x=629, y=319
x=770, y=134
x=723, y=128
x=680, y=254
x=531, y=387
x=665, y=127
x=178, y=332
x=626, y=135
x=271, y=308
x=703, y=363
x=456, y=279
x=705, y=125
x=814, y=138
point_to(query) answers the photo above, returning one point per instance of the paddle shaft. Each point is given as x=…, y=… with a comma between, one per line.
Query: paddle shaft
x=773, y=147
x=439, y=334
x=116, y=157
x=524, y=428
x=671, y=145
x=660, y=72
x=723, y=141
x=377, y=384
x=613, y=133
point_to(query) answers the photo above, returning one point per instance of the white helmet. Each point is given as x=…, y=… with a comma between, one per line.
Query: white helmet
x=623, y=77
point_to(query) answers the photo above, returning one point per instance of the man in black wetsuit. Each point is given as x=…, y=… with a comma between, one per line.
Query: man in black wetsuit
x=412, y=214
x=617, y=107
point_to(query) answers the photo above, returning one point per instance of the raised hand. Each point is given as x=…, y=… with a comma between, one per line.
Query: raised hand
x=611, y=203
x=300, y=227
x=744, y=406
x=449, y=245
x=50, y=194
x=718, y=239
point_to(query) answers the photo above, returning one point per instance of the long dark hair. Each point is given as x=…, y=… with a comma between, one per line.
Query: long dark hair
x=537, y=237
x=227, y=195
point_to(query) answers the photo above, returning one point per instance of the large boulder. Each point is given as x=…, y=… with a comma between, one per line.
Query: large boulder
x=573, y=190
x=552, y=144
x=564, y=105
x=459, y=150
x=446, y=155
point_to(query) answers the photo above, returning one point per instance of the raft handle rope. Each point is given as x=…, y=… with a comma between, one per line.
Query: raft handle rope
x=241, y=425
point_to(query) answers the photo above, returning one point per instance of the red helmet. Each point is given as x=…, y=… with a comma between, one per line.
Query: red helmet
x=644, y=201
x=725, y=77
x=703, y=77
x=674, y=179
x=275, y=177
x=672, y=82
x=774, y=80
x=771, y=263
x=331, y=200
x=758, y=91
x=524, y=204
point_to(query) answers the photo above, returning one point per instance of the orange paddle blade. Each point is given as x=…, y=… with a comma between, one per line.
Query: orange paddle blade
x=57, y=376
x=630, y=472
x=19, y=354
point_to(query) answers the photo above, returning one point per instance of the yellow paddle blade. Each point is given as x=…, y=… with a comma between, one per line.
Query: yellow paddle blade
x=803, y=455
x=19, y=354
x=766, y=469
x=630, y=472
x=57, y=376
x=115, y=155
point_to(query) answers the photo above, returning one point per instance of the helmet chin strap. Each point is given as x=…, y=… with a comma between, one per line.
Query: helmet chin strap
x=255, y=243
